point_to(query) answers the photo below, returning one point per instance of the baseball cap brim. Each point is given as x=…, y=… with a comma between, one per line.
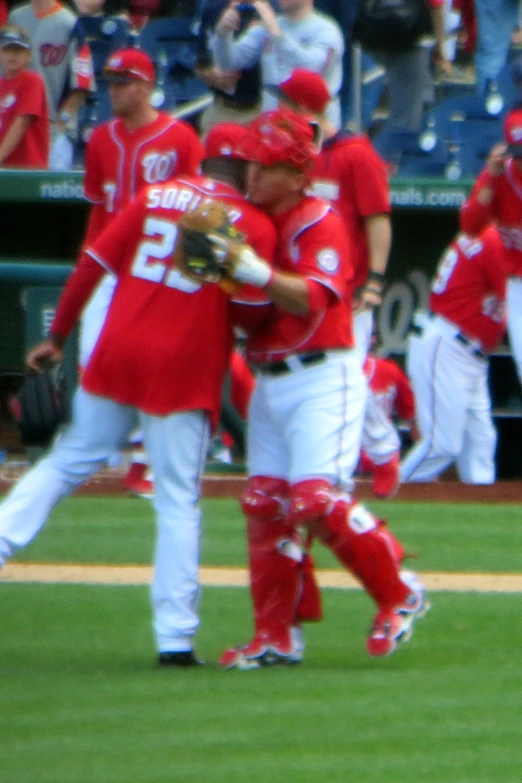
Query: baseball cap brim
x=21, y=44
x=120, y=77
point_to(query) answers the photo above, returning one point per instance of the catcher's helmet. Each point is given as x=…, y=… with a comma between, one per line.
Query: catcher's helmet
x=281, y=136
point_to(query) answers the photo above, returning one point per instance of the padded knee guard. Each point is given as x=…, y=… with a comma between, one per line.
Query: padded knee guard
x=362, y=545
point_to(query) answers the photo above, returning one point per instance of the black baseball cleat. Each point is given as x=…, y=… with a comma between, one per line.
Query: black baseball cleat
x=181, y=659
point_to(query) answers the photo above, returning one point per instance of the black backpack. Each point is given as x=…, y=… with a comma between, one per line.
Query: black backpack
x=394, y=25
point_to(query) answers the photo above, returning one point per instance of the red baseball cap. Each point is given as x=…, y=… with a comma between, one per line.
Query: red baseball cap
x=306, y=89
x=127, y=65
x=225, y=141
x=513, y=133
x=281, y=136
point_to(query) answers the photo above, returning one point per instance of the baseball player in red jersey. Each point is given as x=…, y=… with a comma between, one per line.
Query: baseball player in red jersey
x=497, y=198
x=350, y=174
x=306, y=414
x=140, y=147
x=157, y=325
x=448, y=363
x=392, y=397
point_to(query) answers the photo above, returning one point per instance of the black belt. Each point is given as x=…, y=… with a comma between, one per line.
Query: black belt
x=418, y=331
x=282, y=367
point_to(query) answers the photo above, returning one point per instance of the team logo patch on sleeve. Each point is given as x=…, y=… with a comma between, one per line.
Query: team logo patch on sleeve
x=328, y=260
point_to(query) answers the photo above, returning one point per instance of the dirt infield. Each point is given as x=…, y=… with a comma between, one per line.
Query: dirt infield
x=109, y=482
x=56, y=573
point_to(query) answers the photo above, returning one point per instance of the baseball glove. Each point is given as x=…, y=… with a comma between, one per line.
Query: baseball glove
x=196, y=255
x=40, y=406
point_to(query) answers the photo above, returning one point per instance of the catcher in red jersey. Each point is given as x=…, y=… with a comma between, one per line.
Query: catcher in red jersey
x=163, y=351
x=306, y=413
x=448, y=363
x=392, y=396
x=497, y=198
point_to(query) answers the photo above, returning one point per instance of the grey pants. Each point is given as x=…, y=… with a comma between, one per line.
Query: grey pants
x=410, y=85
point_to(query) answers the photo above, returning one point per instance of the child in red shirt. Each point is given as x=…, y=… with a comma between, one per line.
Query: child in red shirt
x=24, y=116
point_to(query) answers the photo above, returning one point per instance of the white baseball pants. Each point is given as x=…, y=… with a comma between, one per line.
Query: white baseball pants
x=177, y=447
x=307, y=423
x=453, y=410
x=514, y=320
x=93, y=317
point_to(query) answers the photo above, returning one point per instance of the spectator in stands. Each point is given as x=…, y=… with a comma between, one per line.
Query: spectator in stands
x=408, y=72
x=49, y=25
x=24, y=116
x=299, y=37
x=496, y=23
x=344, y=13
x=237, y=94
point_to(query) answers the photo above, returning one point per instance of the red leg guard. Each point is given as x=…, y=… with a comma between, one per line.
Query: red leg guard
x=275, y=555
x=309, y=608
x=386, y=478
x=394, y=545
x=354, y=536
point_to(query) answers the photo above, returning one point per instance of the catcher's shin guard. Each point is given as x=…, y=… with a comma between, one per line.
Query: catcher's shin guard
x=359, y=541
x=275, y=555
x=355, y=537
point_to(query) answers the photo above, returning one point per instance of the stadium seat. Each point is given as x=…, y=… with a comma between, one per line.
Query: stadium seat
x=103, y=35
x=172, y=43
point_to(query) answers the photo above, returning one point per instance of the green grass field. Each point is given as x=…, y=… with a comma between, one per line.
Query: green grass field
x=82, y=701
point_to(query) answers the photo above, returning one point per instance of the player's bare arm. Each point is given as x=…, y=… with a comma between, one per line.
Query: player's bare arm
x=379, y=235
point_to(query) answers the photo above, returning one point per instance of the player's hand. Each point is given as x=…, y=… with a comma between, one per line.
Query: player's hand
x=496, y=159
x=221, y=80
x=229, y=21
x=267, y=17
x=42, y=354
x=368, y=299
x=241, y=262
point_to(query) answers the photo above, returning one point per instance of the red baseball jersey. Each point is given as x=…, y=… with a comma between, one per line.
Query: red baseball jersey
x=390, y=388
x=351, y=174
x=119, y=163
x=24, y=95
x=166, y=342
x=312, y=242
x=470, y=287
x=505, y=210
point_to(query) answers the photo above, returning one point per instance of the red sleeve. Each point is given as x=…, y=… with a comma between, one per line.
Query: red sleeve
x=474, y=217
x=189, y=161
x=405, y=399
x=112, y=249
x=325, y=257
x=492, y=263
x=81, y=283
x=31, y=100
x=370, y=182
